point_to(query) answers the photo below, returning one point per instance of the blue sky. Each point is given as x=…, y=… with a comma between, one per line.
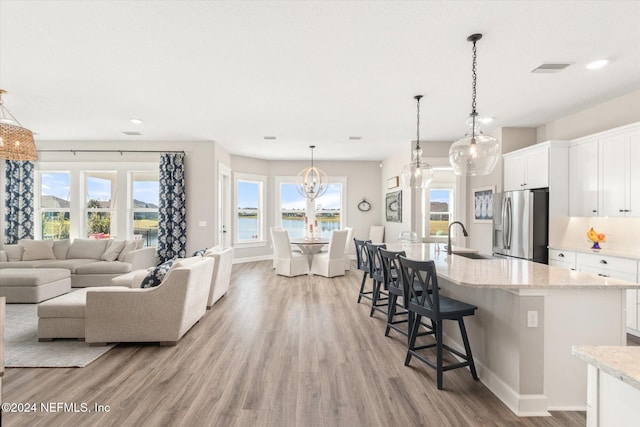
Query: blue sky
x=248, y=196
x=439, y=196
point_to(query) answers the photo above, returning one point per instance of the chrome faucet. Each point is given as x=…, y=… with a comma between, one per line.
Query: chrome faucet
x=464, y=231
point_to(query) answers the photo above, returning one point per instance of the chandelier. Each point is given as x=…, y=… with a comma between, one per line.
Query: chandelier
x=16, y=142
x=312, y=182
x=417, y=174
x=475, y=153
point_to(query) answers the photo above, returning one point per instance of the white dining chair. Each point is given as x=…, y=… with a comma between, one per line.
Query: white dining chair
x=286, y=262
x=376, y=234
x=331, y=263
x=347, y=248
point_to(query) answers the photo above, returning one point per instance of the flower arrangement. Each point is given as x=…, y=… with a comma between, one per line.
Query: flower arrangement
x=596, y=238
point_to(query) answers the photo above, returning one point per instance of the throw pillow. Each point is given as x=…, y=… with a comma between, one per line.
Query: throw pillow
x=14, y=252
x=3, y=256
x=60, y=248
x=114, y=249
x=156, y=276
x=130, y=245
x=87, y=249
x=37, y=249
x=200, y=252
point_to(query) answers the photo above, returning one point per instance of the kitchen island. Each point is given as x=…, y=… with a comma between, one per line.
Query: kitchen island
x=529, y=316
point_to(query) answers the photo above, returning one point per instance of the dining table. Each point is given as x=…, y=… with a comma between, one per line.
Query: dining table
x=310, y=246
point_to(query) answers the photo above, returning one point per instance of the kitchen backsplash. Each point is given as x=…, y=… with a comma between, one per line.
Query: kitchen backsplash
x=623, y=234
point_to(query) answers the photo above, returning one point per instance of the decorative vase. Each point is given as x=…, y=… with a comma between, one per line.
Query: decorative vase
x=595, y=247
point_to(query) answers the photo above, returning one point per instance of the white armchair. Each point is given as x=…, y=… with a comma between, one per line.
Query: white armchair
x=287, y=263
x=162, y=314
x=221, y=276
x=332, y=262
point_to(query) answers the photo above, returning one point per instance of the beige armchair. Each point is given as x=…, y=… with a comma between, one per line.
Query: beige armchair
x=221, y=276
x=162, y=314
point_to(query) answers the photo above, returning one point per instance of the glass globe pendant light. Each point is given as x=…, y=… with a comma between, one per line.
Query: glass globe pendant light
x=312, y=182
x=475, y=153
x=417, y=174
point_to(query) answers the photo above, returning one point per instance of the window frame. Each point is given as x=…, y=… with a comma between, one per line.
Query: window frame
x=131, y=209
x=39, y=210
x=261, y=180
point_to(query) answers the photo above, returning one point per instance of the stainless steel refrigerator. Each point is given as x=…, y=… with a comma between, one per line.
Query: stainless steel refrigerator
x=521, y=224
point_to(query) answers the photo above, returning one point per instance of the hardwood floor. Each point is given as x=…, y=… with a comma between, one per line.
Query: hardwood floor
x=274, y=351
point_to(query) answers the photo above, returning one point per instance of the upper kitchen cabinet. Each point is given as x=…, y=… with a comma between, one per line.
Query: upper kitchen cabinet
x=527, y=168
x=619, y=174
x=583, y=178
x=603, y=177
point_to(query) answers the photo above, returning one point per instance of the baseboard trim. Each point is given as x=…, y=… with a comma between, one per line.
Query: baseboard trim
x=252, y=259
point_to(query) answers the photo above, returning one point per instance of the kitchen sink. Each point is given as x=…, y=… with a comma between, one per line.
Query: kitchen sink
x=473, y=255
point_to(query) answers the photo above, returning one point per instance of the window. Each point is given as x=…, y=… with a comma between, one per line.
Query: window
x=55, y=204
x=144, y=206
x=250, y=218
x=328, y=209
x=440, y=211
x=293, y=209
x=100, y=189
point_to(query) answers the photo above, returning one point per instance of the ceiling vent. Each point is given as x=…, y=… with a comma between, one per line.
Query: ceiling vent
x=355, y=138
x=269, y=138
x=132, y=133
x=551, y=67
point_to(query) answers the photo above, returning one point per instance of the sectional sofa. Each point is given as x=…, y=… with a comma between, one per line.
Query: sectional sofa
x=90, y=262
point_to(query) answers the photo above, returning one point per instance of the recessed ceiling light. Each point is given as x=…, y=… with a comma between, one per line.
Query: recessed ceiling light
x=595, y=65
x=136, y=121
x=355, y=138
x=269, y=138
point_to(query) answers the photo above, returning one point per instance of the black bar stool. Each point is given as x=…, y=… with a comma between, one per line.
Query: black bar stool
x=393, y=284
x=362, y=262
x=438, y=308
x=380, y=299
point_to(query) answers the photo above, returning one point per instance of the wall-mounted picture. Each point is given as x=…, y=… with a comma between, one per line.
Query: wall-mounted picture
x=483, y=204
x=392, y=182
x=394, y=206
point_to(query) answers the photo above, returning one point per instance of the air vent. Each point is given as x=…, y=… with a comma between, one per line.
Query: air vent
x=551, y=67
x=355, y=138
x=132, y=133
x=269, y=138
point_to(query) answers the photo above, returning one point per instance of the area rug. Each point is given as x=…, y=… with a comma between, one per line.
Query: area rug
x=22, y=349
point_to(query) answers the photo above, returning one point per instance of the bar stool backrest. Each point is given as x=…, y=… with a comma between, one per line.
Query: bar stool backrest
x=362, y=256
x=391, y=269
x=423, y=274
x=375, y=262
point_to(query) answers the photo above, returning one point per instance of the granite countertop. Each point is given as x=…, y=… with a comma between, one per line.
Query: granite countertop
x=604, y=252
x=504, y=273
x=620, y=362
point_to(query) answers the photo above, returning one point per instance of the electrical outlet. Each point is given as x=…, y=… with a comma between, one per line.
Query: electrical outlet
x=532, y=319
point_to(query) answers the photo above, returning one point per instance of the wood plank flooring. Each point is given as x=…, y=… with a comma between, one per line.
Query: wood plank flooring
x=274, y=351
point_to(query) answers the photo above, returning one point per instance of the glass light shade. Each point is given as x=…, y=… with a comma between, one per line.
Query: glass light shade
x=312, y=182
x=479, y=158
x=417, y=174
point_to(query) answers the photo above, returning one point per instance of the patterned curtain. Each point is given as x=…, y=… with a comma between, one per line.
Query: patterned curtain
x=172, y=218
x=18, y=217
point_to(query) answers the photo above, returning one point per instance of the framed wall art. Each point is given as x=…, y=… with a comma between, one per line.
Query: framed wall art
x=393, y=206
x=392, y=182
x=483, y=204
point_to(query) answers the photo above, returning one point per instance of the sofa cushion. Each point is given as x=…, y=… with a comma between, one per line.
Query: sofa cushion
x=156, y=276
x=37, y=249
x=31, y=277
x=129, y=246
x=61, y=247
x=133, y=279
x=21, y=264
x=87, y=248
x=139, y=243
x=3, y=256
x=72, y=304
x=114, y=249
x=69, y=264
x=14, y=252
x=104, y=267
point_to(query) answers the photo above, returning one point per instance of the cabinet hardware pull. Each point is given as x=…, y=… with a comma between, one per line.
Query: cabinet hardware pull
x=621, y=210
x=602, y=275
x=560, y=255
x=594, y=211
x=627, y=210
x=603, y=261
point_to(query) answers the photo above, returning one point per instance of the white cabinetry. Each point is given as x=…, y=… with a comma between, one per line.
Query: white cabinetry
x=604, y=179
x=583, y=178
x=527, y=168
x=619, y=174
x=616, y=268
x=562, y=259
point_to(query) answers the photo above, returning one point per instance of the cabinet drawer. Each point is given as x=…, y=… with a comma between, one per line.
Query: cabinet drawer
x=562, y=264
x=564, y=256
x=622, y=265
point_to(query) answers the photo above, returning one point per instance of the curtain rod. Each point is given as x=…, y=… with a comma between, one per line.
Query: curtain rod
x=109, y=151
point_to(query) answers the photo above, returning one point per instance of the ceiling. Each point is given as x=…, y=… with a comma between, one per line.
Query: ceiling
x=305, y=72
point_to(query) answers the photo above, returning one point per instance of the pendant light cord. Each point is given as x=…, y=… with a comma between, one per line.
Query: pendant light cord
x=474, y=79
x=417, y=98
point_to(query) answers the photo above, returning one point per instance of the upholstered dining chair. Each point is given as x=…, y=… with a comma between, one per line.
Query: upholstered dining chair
x=347, y=245
x=331, y=263
x=376, y=234
x=287, y=263
x=430, y=304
